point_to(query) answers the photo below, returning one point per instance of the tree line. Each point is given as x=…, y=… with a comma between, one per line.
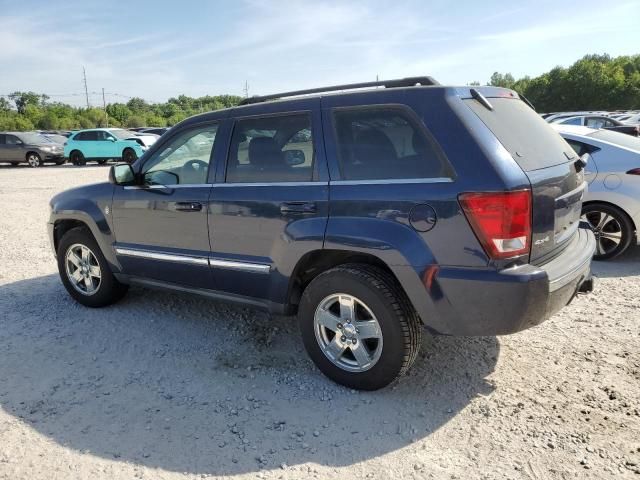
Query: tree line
x=595, y=82
x=30, y=111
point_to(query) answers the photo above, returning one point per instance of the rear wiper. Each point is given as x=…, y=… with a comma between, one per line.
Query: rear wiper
x=526, y=100
x=481, y=98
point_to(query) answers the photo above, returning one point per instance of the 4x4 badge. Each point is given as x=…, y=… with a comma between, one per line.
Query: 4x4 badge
x=541, y=241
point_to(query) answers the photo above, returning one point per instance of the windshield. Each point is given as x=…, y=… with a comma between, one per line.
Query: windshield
x=617, y=138
x=33, y=138
x=122, y=134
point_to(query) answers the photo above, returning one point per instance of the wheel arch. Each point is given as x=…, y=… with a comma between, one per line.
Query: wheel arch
x=316, y=262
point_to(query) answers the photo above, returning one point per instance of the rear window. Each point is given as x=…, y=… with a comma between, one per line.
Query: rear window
x=618, y=138
x=530, y=140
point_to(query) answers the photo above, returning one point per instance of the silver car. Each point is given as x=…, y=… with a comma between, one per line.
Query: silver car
x=612, y=204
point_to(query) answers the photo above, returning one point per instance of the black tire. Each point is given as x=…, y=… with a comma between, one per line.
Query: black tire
x=129, y=155
x=619, y=227
x=77, y=158
x=108, y=289
x=34, y=160
x=400, y=326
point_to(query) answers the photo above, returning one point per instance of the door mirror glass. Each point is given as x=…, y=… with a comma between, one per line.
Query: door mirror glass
x=294, y=157
x=122, y=174
x=160, y=177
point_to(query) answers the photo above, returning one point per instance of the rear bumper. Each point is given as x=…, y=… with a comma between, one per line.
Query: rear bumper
x=490, y=302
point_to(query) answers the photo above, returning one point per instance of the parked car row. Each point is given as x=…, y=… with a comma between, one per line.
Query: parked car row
x=98, y=144
x=628, y=123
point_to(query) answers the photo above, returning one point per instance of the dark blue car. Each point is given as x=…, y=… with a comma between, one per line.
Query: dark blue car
x=370, y=214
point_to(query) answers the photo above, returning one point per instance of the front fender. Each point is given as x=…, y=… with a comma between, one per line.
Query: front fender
x=89, y=205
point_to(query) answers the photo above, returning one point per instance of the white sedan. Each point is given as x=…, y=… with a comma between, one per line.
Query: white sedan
x=612, y=204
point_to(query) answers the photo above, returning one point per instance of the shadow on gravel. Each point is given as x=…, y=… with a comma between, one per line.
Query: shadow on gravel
x=190, y=385
x=626, y=265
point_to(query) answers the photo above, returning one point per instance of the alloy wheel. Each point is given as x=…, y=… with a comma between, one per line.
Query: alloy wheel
x=607, y=230
x=33, y=160
x=348, y=332
x=83, y=269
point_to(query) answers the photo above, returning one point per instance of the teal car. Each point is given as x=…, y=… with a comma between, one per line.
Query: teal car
x=101, y=144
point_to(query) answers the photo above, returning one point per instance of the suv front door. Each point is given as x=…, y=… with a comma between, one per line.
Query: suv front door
x=271, y=207
x=161, y=226
x=13, y=149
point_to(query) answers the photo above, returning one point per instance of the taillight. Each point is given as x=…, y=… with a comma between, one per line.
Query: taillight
x=634, y=171
x=500, y=220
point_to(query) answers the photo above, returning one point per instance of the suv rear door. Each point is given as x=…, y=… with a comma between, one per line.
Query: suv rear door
x=268, y=207
x=549, y=163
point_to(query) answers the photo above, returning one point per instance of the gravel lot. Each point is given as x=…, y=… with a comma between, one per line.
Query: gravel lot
x=172, y=386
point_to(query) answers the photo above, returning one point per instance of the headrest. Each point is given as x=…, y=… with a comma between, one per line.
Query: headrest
x=373, y=145
x=264, y=152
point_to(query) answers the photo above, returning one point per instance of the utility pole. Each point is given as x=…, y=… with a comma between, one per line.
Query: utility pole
x=104, y=104
x=86, y=90
x=246, y=89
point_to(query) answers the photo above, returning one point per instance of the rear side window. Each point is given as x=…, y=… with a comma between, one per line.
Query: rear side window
x=530, y=140
x=271, y=149
x=384, y=142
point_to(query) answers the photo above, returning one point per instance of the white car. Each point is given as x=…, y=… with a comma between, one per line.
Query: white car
x=632, y=119
x=612, y=204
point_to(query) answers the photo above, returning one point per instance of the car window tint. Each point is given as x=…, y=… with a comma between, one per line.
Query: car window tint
x=271, y=149
x=573, y=121
x=11, y=140
x=184, y=160
x=377, y=143
x=2, y=141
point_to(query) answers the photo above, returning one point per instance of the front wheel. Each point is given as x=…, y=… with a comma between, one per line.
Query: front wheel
x=612, y=228
x=77, y=158
x=358, y=326
x=34, y=160
x=129, y=155
x=85, y=272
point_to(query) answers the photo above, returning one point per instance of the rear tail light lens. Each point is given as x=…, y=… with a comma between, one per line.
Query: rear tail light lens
x=500, y=220
x=634, y=171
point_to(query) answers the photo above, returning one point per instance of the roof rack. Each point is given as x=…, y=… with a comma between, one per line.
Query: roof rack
x=401, y=82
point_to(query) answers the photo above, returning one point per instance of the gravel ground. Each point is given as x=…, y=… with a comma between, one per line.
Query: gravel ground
x=174, y=386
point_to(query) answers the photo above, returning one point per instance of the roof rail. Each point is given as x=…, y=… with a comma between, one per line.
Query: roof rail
x=401, y=82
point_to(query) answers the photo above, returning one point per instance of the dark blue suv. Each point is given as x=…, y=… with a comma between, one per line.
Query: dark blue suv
x=369, y=212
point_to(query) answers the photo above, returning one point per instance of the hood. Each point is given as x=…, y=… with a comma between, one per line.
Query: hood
x=145, y=140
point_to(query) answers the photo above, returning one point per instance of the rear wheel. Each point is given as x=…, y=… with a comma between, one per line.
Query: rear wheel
x=34, y=160
x=358, y=326
x=77, y=158
x=129, y=155
x=85, y=272
x=612, y=227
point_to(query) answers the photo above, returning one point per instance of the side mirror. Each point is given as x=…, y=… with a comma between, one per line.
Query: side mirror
x=122, y=174
x=111, y=139
x=294, y=157
x=19, y=142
